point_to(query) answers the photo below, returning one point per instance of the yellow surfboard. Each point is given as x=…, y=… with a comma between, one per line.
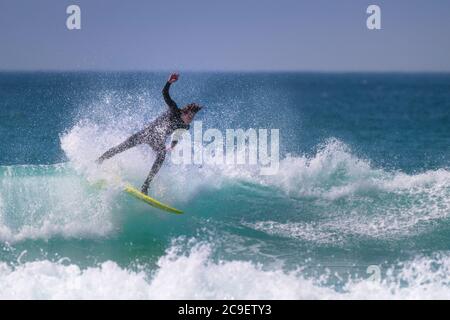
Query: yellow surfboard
x=153, y=202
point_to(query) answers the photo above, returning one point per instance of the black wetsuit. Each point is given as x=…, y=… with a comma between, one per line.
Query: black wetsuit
x=155, y=135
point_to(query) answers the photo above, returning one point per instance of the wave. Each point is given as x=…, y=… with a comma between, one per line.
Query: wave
x=350, y=198
x=46, y=201
x=195, y=275
x=329, y=198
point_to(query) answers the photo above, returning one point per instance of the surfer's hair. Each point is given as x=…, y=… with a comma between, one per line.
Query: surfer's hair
x=192, y=107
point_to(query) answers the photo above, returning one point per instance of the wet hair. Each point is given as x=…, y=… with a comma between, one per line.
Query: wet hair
x=192, y=107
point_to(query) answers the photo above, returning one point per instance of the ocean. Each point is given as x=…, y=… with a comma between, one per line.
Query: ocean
x=358, y=209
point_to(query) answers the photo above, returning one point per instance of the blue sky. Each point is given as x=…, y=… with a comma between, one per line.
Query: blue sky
x=294, y=35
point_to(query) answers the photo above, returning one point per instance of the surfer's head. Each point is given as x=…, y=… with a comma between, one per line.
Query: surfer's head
x=189, y=111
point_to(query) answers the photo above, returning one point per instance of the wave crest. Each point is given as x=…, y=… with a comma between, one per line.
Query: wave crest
x=196, y=276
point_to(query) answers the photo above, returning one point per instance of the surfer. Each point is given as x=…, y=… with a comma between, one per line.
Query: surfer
x=156, y=133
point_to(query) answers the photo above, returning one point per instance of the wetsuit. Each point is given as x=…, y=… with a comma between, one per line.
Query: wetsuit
x=155, y=135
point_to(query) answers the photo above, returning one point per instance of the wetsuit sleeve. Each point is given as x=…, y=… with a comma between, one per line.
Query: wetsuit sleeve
x=172, y=104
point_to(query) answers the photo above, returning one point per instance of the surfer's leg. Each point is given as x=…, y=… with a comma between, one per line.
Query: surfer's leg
x=160, y=156
x=127, y=144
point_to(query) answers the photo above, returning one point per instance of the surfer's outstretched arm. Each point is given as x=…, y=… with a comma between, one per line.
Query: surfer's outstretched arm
x=160, y=156
x=170, y=103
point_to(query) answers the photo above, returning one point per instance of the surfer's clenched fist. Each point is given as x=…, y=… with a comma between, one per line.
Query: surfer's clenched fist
x=173, y=77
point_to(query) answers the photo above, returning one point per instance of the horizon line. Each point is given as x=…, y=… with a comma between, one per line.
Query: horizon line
x=213, y=71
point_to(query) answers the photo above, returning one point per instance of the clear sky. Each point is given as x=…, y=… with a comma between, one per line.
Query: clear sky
x=296, y=35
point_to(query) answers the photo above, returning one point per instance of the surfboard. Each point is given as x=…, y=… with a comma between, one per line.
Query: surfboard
x=149, y=200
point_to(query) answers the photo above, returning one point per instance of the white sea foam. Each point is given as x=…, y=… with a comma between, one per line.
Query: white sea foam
x=320, y=233
x=357, y=200
x=196, y=276
x=40, y=202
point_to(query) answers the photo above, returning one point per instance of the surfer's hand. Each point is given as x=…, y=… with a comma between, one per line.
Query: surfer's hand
x=173, y=77
x=169, y=148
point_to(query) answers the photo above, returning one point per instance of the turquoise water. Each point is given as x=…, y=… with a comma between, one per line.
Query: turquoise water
x=363, y=182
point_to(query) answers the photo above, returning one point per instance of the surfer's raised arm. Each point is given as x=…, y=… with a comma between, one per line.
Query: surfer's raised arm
x=172, y=104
